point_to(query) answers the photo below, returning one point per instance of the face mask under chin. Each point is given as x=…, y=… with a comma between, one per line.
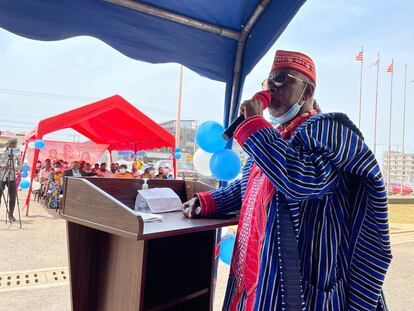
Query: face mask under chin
x=291, y=113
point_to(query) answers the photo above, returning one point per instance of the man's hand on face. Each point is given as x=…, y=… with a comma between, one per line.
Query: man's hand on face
x=191, y=208
x=251, y=108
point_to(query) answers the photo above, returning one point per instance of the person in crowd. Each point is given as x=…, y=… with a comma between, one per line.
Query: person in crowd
x=82, y=165
x=55, y=185
x=113, y=168
x=313, y=231
x=65, y=166
x=160, y=174
x=123, y=172
x=149, y=172
x=167, y=173
x=7, y=175
x=38, y=168
x=75, y=171
x=95, y=167
x=137, y=164
x=44, y=172
x=88, y=172
x=103, y=172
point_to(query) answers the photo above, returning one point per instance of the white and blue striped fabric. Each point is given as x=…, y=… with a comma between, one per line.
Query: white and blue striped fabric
x=331, y=183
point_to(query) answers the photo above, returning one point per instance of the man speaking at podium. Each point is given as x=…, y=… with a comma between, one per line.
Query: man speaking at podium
x=313, y=230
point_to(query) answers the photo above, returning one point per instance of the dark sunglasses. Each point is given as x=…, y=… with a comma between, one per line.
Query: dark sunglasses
x=279, y=80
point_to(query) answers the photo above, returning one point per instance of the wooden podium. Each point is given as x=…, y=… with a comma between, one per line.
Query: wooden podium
x=118, y=262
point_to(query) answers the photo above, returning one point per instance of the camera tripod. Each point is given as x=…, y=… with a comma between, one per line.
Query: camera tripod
x=9, y=177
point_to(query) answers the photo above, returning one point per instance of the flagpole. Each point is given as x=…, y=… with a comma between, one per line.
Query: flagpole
x=178, y=122
x=360, y=91
x=403, y=128
x=376, y=107
x=389, y=125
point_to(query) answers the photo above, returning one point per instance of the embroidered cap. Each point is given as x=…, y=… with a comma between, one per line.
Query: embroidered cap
x=296, y=61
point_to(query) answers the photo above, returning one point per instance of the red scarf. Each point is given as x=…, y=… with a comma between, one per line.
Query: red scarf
x=252, y=227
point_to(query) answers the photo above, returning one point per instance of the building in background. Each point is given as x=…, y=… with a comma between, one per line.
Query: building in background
x=6, y=135
x=400, y=169
x=187, y=143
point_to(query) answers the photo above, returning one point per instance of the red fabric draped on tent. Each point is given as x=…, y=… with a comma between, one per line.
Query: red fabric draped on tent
x=111, y=121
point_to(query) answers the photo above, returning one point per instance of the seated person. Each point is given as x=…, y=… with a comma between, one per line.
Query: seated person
x=87, y=170
x=149, y=172
x=123, y=173
x=160, y=174
x=65, y=166
x=75, y=171
x=54, y=185
x=44, y=173
x=95, y=167
x=167, y=173
x=113, y=169
x=103, y=172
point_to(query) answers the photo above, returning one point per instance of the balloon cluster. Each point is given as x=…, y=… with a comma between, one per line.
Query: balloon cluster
x=177, y=153
x=38, y=144
x=212, y=158
x=25, y=183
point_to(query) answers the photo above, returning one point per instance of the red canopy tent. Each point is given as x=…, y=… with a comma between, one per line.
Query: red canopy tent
x=111, y=121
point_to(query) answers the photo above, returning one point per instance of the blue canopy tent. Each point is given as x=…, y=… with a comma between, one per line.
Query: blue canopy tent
x=219, y=39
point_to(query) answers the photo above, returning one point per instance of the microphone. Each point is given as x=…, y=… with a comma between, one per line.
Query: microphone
x=264, y=97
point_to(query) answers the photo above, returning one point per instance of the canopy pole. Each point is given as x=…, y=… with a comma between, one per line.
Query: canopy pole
x=32, y=175
x=174, y=17
x=178, y=120
x=234, y=102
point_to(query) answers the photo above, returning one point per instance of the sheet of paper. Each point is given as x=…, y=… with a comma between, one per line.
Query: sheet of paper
x=161, y=200
x=148, y=217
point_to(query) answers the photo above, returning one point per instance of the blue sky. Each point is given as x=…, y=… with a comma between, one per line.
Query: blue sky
x=331, y=32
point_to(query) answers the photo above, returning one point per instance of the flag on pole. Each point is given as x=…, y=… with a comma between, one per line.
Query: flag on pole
x=360, y=56
x=375, y=63
x=390, y=67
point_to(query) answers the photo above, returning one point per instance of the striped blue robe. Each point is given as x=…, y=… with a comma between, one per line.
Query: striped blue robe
x=332, y=185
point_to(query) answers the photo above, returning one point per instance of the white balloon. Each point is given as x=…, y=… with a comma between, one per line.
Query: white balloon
x=36, y=185
x=201, y=162
x=31, y=145
x=26, y=161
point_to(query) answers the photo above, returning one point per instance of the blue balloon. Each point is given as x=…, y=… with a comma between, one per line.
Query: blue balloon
x=25, y=168
x=178, y=149
x=177, y=155
x=24, y=174
x=226, y=247
x=39, y=144
x=209, y=138
x=225, y=165
x=25, y=184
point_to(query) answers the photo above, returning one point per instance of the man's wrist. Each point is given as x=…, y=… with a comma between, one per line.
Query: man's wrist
x=250, y=126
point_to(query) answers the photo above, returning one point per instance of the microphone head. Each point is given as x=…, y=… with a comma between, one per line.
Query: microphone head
x=264, y=97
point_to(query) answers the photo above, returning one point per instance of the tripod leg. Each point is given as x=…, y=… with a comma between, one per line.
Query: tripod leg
x=18, y=207
x=4, y=198
x=6, y=202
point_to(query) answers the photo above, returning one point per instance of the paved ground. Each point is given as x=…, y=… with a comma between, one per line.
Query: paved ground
x=41, y=244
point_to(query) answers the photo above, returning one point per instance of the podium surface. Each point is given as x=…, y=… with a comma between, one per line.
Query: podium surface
x=119, y=262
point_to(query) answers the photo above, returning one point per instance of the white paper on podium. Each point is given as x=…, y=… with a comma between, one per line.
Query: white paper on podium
x=148, y=217
x=160, y=200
